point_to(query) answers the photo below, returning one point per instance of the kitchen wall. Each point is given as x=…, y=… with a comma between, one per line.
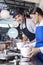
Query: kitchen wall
x=41, y=4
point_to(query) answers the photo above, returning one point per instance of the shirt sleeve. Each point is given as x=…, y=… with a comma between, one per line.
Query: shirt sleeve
x=41, y=23
x=30, y=25
x=41, y=49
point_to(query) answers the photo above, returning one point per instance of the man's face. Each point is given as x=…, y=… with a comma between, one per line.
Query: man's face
x=35, y=17
x=19, y=18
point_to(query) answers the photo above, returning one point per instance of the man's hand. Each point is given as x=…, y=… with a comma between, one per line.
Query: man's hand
x=25, y=38
x=34, y=52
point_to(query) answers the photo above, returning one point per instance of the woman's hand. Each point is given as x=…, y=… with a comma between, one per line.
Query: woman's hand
x=34, y=52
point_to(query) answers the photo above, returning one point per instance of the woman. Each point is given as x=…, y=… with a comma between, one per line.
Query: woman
x=38, y=19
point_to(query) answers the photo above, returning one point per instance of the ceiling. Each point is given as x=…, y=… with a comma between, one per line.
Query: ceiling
x=16, y=3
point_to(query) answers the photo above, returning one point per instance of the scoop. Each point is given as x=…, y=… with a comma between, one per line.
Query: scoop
x=12, y=33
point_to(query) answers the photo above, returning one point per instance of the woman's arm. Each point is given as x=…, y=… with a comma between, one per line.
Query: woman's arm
x=35, y=51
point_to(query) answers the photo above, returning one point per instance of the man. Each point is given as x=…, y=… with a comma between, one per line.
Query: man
x=38, y=19
x=26, y=25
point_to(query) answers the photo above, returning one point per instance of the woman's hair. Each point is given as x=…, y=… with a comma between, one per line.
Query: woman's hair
x=39, y=11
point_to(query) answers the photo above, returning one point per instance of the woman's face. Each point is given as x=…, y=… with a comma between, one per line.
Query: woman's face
x=19, y=18
x=35, y=18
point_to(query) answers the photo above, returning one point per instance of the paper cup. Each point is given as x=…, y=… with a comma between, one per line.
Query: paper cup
x=25, y=51
x=24, y=63
x=25, y=59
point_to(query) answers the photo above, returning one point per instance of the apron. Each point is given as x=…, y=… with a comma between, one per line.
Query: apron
x=30, y=35
x=39, y=40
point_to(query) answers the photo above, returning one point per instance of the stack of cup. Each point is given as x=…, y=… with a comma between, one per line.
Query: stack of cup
x=25, y=52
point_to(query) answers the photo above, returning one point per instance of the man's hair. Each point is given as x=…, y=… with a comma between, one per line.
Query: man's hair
x=39, y=11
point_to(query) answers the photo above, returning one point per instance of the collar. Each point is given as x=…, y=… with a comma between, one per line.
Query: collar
x=40, y=24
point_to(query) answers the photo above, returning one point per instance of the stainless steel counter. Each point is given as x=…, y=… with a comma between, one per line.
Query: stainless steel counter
x=34, y=61
x=17, y=60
